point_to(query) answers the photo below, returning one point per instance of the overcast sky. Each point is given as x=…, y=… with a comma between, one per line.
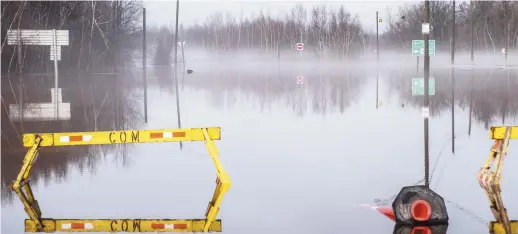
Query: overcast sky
x=196, y=11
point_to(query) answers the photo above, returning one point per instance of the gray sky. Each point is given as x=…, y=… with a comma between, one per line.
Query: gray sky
x=196, y=11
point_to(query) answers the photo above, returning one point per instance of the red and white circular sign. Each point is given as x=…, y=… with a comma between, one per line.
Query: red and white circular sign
x=300, y=46
x=300, y=80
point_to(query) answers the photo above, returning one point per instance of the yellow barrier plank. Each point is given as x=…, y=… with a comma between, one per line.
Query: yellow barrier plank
x=122, y=225
x=498, y=133
x=121, y=137
x=498, y=228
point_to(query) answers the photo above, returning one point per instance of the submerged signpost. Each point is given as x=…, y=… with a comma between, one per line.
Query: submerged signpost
x=53, y=38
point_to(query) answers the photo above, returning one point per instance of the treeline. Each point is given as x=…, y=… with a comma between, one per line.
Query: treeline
x=334, y=31
x=99, y=31
x=488, y=17
x=340, y=33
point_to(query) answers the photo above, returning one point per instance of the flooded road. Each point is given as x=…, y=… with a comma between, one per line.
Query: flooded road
x=302, y=156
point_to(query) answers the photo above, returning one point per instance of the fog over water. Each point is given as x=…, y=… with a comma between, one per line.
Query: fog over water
x=294, y=151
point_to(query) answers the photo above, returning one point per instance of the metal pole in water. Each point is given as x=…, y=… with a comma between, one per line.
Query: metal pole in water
x=377, y=39
x=54, y=42
x=377, y=87
x=452, y=73
x=144, y=62
x=453, y=35
x=426, y=94
x=472, y=5
x=176, y=65
x=377, y=59
x=453, y=112
x=470, y=102
x=506, y=4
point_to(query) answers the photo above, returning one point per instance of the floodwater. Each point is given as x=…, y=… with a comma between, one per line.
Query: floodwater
x=302, y=157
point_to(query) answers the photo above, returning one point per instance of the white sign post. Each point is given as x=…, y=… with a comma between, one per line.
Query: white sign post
x=53, y=38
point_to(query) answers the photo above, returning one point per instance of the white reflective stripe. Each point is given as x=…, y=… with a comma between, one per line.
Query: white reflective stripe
x=484, y=180
x=169, y=226
x=87, y=137
x=167, y=135
x=89, y=226
x=66, y=226
x=64, y=139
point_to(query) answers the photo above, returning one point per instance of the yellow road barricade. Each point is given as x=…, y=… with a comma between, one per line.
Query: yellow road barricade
x=36, y=223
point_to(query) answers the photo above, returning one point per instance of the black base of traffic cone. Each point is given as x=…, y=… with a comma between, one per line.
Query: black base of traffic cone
x=419, y=206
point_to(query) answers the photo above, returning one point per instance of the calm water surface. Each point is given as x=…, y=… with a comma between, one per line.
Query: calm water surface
x=301, y=157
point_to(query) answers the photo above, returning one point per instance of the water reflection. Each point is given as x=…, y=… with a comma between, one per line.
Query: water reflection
x=486, y=93
x=436, y=229
x=101, y=102
x=321, y=92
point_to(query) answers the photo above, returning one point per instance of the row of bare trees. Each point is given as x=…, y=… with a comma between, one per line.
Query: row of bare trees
x=494, y=23
x=98, y=31
x=335, y=31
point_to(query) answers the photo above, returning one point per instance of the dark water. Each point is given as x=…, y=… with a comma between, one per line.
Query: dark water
x=302, y=157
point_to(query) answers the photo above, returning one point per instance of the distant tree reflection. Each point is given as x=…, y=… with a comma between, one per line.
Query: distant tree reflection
x=322, y=92
x=491, y=92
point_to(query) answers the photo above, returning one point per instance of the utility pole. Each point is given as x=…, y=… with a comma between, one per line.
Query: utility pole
x=176, y=66
x=452, y=74
x=377, y=59
x=506, y=5
x=377, y=39
x=453, y=35
x=144, y=62
x=426, y=92
x=472, y=5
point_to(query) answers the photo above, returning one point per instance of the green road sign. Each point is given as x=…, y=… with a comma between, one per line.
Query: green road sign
x=418, y=47
x=418, y=86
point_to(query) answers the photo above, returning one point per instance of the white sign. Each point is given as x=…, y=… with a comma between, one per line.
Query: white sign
x=300, y=80
x=300, y=46
x=503, y=50
x=425, y=112
x=425, y=28
x=52, y=53
x=37, y=37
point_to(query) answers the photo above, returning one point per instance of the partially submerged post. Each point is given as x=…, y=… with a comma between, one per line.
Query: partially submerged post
x=144, y=62
x=176, y=66
x=426, y=31
x=452, y=74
